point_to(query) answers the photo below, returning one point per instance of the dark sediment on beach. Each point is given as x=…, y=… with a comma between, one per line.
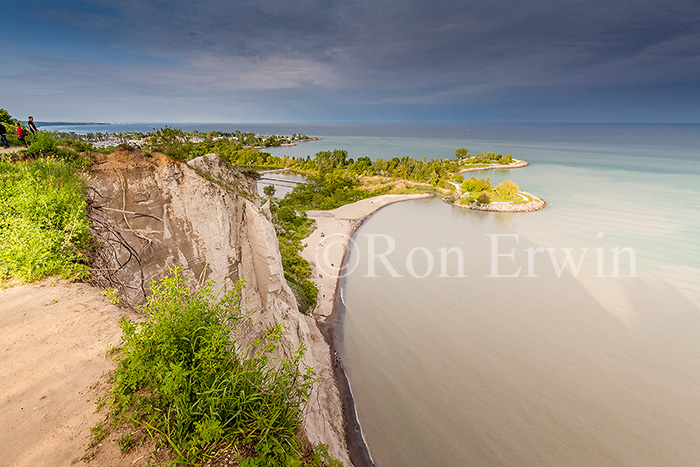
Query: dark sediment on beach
x=331, y=328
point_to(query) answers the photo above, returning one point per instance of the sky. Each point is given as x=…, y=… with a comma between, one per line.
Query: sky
x=432, y=61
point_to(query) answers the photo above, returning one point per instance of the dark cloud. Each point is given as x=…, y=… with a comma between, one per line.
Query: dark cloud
x=406, y=54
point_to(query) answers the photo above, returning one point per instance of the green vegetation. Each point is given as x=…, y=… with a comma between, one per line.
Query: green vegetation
x=461, y=153
x=112, y=295
x=507, y=190
x=6, y=119
x=483, y=159
x=476, y=184
x=292, y=227
x=483, y=198
x=326, y=191
x=186, y=384
x=43, y=220
x=44, y=229
x=10, y=125
x=481, y=191
x=269, y=190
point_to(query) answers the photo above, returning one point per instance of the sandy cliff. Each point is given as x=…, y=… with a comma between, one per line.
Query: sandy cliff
x=152, y=213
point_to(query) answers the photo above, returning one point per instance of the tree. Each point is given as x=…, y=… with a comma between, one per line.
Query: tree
x=173, y=142
x=461, y=153
x=6, y=119
x=484, y=198
x=476, y=185
x=507, y=189
x=286, y=214
x=269, y=190
x=329, y=160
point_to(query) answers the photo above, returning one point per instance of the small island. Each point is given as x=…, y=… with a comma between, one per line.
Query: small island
x=478, y=194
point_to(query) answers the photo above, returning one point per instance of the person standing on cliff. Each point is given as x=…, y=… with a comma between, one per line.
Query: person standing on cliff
x=31, y=125
x=21, y=134
x=3, y=136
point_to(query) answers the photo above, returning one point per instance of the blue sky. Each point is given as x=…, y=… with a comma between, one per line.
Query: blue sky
x=352, y=61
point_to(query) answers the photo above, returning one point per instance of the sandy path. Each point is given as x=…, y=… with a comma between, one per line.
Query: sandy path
x=326, y=245
x=10, y=150
x=53, y=341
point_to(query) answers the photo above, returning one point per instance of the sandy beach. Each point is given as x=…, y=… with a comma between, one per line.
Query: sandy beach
x=326, y=246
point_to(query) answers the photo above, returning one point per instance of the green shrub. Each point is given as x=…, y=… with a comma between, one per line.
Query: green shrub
x=112, y=295
x=183, y=377
x=43, y=144
x=269, y=190
x=287, y=215
x=43, y=221
x=483, y=198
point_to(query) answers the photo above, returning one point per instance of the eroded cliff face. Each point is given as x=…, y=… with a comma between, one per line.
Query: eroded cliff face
x=153, y=213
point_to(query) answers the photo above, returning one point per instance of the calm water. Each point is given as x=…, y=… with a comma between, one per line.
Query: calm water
x=595, y=363
x=563, y=368
x=284, y=182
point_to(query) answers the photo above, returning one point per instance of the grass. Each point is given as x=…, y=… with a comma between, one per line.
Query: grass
x=464, y=200
x=183, y=378
x=43, y=221
x=377, y=185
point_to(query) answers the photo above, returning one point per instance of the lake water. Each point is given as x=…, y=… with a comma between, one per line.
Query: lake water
x=595, y=363
x=283, y=181
x=474, y=342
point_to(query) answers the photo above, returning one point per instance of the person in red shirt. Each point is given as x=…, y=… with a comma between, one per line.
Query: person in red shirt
x=21, y=134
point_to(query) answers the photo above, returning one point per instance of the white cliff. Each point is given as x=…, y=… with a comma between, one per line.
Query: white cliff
x=152, y=213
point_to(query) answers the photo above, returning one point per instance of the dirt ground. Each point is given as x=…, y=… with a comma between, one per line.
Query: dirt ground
x=54, y=339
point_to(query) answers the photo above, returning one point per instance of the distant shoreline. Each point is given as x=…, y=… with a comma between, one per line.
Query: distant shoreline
x=70, y=123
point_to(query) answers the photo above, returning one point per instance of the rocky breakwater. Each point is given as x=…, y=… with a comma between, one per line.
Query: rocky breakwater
x=151, y=213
